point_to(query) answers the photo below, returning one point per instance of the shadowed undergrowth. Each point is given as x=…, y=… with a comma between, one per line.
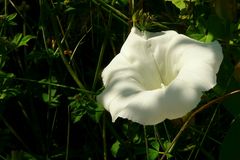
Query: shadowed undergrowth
x=52, y=53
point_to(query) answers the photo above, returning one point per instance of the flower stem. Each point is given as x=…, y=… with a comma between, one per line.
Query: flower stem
x=205, y=134
x=68, y=134
x=99, y=62
x=103, y=47
x=217, y=100
x=146, y=141
x=116, y=13
x=51, y=84
x=11, y=129
x=104, y=137
x=157, y=136
x=65, y=61
x=5, y=7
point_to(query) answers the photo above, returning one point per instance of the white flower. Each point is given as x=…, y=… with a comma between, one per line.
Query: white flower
x=158, y=76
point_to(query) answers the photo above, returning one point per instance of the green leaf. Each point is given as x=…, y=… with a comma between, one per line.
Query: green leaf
x=51, y=98
x=17, y=155
x=25, y=40
x=166, y=144
x=152, y=153
x=179, y=3
x=217, y=27
x=7, y=93
x=78, y=117
x=209, y=37
x=45, y=97
x=115, y=148
x=17, y=39
x=123, y=2
x=155, y=145
x=97, y=112
x=197, y=36
x=11, y=16
x=6, y=75
x=20, y=40
x=69, y=9
x=230, y=145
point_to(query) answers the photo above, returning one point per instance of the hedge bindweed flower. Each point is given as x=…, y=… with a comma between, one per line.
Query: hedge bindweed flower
x=158, y=76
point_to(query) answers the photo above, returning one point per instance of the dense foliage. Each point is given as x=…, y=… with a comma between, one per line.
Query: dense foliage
x=52, y=53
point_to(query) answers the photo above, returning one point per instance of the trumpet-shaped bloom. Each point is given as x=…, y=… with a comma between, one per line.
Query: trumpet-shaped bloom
x=158, y=76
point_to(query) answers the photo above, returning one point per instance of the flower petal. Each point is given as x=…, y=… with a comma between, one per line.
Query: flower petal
x=195, y=62
x=158, y=75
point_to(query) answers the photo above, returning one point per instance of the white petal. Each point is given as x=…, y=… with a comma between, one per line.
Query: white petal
x=148, y=61
x=196, y=63
x=157, y=105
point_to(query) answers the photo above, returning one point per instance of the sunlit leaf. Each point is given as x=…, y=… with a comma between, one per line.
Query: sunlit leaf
x=17, y=38
x=115, y=148
x=20, y=40
x=155, y=144
x=6, y=75
x=25, y=40
x=152, y=153
x=11, y=16
x=179, y=3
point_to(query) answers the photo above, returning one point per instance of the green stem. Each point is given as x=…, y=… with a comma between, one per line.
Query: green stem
x=68, y=133
x=146, y=142
x=65, y=61
x=52, y=84
x=104, y=137
x=99, y=62
x=185, y=125
x=112, y=9
x=131, y=6
x=2, y=157
x=205, y=134
x=16, y=8
x=116, y=13
x=157, y=136
x=56, y=25
x=44, y=38
x=104, y=44
x=5, y=7
x=166, y=130
x=79, y=42
x=13, y=132
x=61, y=27
x=64, y=34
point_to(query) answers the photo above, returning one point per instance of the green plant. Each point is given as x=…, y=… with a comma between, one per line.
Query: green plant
x=52, y=53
